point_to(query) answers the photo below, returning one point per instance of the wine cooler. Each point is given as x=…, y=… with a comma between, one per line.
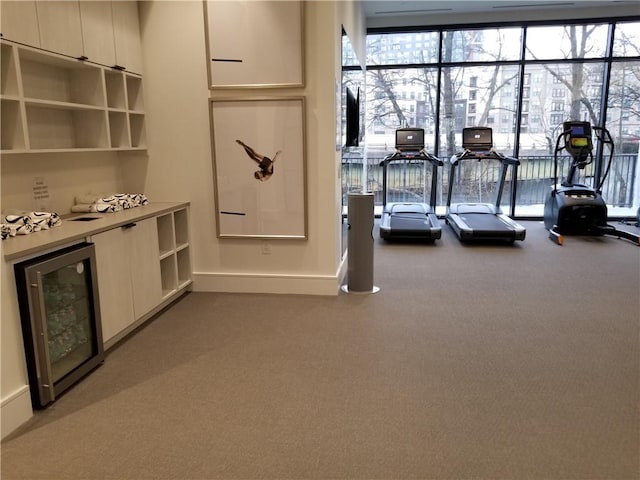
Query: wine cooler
x=60, y=315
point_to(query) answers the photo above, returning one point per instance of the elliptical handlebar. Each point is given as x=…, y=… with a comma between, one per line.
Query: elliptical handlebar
x=604, y=137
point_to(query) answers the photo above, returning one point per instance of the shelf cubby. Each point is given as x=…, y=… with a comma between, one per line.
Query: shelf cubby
x=181, y=223
x=9, y=79
x=184, y=267
x=118, y=130
x=134, y=94
x=138, y=134
x=116, y=95
x=11, y=126
x=52, y=127
x=168, y=274
x=166, y=239
x=59, y=79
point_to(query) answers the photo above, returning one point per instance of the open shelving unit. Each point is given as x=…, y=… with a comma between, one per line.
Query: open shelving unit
x=52, y=102
x=173, y=242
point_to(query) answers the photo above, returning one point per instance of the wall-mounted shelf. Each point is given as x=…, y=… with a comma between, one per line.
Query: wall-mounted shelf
x=52, y=102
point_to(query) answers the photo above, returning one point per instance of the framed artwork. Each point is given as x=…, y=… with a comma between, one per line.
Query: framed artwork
x=259, y=167
x=254, y=44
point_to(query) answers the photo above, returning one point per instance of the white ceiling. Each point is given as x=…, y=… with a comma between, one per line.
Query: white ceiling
x=400, y=12
x=378, y=8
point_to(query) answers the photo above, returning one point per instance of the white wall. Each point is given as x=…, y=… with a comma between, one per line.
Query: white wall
x=66, y=175
x=180, y=162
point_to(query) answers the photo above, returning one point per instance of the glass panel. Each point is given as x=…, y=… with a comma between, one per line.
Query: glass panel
x=409, y=181
x=349, y=58
x=567, y=92
x=623, y=122
x=553, y=91
x=352, y=157
x=567, y=41
x=402, y=48
x=478, y=182
x=396, y=98
x=68, y=315
x=478, y=96
x=627, y=40
x=558, y=92
x=482, y=45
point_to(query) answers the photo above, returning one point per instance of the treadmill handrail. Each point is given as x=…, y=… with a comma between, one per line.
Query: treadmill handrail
x=491, y=155
x=422, y=156
x=505, y=163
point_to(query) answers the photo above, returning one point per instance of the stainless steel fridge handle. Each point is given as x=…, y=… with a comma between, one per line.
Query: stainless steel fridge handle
x=46, y=383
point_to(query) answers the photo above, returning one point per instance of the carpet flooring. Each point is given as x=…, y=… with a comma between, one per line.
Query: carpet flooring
x=472, y=362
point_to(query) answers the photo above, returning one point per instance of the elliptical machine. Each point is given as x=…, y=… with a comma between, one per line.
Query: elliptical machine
x=574, y=208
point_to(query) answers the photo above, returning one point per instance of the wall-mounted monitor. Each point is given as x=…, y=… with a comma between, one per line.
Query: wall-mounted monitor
x=352, y=118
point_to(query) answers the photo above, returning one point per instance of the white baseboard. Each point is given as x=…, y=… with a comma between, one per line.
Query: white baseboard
x=15, y=410
x=270, y=283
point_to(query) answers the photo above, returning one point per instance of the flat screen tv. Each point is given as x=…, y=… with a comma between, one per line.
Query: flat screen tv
x=352, y=118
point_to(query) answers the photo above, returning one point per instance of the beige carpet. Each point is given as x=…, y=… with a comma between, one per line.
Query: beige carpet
x=472, y=362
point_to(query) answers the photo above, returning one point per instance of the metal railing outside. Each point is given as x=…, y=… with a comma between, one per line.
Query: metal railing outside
x=477, y=181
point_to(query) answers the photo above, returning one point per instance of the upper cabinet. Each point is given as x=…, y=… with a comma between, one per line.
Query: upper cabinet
x=60, y=27
x=19, y=21
x=104, y=32
x=97, y=32
x=126, y=30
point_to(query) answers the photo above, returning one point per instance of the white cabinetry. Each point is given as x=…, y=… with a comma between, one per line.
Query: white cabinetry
x=126, y=33
x=97, y=32
x=52, y=102
x=104, y=32
x=141, y=266
x=60, y=27
x=19, y=21
x=175, y=263
x=128, y=274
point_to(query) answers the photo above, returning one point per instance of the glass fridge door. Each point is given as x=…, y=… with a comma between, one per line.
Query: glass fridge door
x=67, y=311
x=63, y=320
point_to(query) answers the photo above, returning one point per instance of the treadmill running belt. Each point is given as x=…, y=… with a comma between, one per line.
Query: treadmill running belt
x=485, y=225
x=409, y=222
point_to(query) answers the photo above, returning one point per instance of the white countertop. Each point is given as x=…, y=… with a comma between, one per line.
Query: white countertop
x=70, y=231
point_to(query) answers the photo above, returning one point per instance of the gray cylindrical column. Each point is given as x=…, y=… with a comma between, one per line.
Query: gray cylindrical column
x=360, y=244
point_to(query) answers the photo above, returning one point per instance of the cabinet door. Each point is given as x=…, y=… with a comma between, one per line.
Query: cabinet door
x=60, y=28
x=20, y=22
x=126, y=30
x=97, y=32
x=145, y=266
x=114, y=281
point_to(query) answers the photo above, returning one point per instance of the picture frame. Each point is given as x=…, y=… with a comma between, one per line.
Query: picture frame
x=246, y=51
x=259, y=166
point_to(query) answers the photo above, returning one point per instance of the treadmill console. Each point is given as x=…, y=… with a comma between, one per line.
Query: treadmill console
x=477, y=139
x=410, y=139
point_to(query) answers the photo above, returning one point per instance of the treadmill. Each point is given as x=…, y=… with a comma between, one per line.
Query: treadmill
x=482, y=221
x=410, y=220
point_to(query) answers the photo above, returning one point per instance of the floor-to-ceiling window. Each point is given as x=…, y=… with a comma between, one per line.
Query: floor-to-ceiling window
x=523, y=81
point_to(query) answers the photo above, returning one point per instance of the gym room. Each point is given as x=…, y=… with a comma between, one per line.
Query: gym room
x=320, y=239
